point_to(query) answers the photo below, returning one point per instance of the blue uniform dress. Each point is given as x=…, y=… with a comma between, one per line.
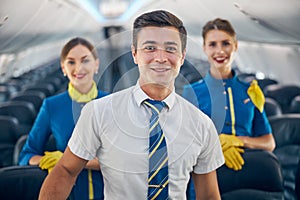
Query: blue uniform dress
x=58, y=116
x=227, y=103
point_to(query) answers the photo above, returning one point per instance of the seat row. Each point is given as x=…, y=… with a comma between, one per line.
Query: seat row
x=265, y=174
x=265, y=182
x=287, y=97
x=18, y=113
x=286, y=131
x=256, y=179
x=273, y=108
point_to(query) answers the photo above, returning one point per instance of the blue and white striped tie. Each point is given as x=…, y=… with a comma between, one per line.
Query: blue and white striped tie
x=158, y=155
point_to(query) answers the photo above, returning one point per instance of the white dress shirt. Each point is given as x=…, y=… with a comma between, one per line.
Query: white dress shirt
x=115, y=130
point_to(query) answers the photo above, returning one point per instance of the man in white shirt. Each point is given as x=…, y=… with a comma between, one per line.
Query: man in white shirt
x=115, y=129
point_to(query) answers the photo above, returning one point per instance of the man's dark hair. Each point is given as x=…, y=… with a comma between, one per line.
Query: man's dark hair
x=159, y=18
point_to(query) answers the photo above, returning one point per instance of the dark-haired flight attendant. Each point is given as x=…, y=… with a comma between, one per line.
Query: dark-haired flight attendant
x=59, y=114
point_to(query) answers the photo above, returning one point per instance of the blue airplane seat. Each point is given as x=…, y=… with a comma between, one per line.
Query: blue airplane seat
x=47, y=88
x=4, y=93
x=34, y=97
x=50, y=146
x=295, y=105
x=265, y=82
x=297, y=182
x=260, y=178
x=8, y=138
x=283, y=94
x=286, y=131
x=21, y=182
x=23, y=111
x=272, y=108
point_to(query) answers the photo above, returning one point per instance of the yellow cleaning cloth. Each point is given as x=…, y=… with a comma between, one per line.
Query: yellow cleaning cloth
x=256, y=95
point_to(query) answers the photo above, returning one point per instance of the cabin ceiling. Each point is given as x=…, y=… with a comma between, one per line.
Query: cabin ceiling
x=270, y=21
x=33, y=22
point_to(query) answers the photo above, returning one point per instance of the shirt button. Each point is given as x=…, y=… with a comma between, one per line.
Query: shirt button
x=224, y=83
x=224, y=92
x=226, y=108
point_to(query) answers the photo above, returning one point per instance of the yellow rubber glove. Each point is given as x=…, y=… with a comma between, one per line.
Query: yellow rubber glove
x=233, y=158
x=256, y=95
x=49, y=160
x=228, y=141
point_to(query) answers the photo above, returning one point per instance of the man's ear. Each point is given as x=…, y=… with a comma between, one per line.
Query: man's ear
x=133, y=53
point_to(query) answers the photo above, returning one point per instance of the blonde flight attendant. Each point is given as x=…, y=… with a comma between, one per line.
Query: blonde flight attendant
x=236, y=107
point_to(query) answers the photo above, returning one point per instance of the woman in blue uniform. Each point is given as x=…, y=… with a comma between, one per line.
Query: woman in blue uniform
x=59, y=114
x=235, y=107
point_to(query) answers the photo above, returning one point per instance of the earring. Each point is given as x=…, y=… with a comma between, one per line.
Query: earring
x=65, y=74
x=96, y=72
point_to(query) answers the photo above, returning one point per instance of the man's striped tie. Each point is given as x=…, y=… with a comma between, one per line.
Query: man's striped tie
x=158, y=155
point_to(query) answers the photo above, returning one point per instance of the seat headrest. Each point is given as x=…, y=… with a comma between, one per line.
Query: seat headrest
x=271, y=107
x=286, y=129
x=283, y=94
x=295, y=105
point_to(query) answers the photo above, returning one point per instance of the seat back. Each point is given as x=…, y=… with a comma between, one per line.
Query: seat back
x=261, y=177
x=250, y=194
x=54, y=80
x=23, y=111
x=4, y=93
x=18, y=148
x=12, y=88
x=50, y=146
x=34, y=97
x=286, y=131
x=272, y=108
x=265, y=82
x=8, y=137
x=47, y=88
x=283, y=94
x=21, y=182
x=297, y=182
x=295, y=105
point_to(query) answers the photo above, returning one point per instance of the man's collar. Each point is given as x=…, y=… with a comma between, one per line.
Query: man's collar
x=140, y=96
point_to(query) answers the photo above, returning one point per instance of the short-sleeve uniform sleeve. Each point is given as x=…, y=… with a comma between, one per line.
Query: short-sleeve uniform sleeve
x=85, y=140
x=211, y=156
